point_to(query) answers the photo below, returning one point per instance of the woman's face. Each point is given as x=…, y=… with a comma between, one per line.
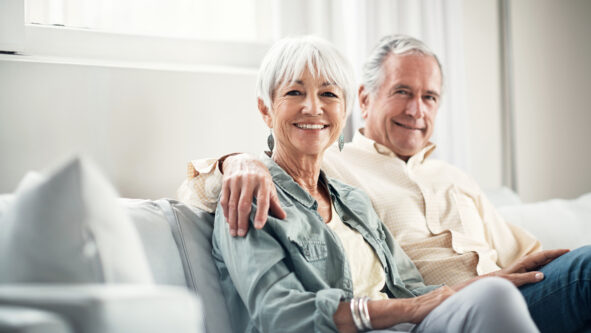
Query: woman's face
x=307, y=115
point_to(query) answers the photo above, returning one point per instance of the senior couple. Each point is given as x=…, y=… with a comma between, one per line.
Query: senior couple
x=326, y=260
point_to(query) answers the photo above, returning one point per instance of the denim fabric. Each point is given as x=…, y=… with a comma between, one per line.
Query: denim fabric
x=562, y=301
x=291, y=275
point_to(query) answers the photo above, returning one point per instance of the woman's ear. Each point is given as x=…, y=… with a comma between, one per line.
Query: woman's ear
x=265, y=112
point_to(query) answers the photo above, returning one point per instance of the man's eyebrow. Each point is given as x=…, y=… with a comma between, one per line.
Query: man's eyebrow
x=433, y=92
x=404, y=86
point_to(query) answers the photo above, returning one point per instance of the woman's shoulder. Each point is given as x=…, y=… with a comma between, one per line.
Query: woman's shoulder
x=347, y=191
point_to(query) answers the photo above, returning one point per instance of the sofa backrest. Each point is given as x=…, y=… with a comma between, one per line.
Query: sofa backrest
x=177, y=242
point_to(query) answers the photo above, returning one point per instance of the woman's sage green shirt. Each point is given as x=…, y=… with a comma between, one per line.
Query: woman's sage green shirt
x=291, y=275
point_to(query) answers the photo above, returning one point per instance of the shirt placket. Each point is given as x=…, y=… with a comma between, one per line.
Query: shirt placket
x=431, y=209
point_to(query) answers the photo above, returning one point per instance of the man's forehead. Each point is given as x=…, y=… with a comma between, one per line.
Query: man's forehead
x=408, y=70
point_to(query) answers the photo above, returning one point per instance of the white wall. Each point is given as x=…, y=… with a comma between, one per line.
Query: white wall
x=140, y=125
x=552, y=61
x=483, y=90
x=552, y=76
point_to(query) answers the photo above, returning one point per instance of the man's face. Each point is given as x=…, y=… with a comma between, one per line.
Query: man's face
x=401, y=113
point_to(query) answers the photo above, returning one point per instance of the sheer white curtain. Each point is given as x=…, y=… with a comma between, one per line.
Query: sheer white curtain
x=355, y=26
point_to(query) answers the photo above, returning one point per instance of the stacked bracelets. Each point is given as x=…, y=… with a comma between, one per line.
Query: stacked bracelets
x=360, y=314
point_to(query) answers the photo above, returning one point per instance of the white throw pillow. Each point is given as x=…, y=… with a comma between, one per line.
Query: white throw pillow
x=556, y=223
x=67, y=227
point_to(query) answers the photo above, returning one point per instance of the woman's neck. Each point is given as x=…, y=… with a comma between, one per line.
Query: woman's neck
x=304, y=169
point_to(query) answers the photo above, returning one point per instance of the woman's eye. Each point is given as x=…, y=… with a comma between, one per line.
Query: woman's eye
x=293, y=93
x=329, y=94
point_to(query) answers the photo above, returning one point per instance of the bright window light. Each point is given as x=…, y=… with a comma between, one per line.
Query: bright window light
x=224, y=20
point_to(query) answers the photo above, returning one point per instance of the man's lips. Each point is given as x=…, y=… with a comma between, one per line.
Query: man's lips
x=407, y=126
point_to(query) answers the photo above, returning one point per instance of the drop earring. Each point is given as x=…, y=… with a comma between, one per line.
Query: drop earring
x=270, y=140
x=341, y=142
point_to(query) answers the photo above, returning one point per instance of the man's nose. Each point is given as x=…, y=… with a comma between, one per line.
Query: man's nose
x=416, y=108
x=312, y=106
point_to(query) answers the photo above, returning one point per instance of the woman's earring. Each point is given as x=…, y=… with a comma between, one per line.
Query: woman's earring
x=341, y=142
x=270, y=140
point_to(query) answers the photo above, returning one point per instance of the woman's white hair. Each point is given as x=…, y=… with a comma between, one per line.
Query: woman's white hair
x=372, y=74
x=289, y=57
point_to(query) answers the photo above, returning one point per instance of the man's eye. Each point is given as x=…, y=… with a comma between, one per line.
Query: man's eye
x=293, y=93
x=329, y=94
x=431, y=98
x=401, y=92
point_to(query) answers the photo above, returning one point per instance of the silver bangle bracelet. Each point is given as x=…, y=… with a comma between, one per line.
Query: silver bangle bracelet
x=356, y=315
x=364, y=313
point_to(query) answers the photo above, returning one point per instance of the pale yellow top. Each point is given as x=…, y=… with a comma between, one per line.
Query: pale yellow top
x=367, y=272
x=436, y=212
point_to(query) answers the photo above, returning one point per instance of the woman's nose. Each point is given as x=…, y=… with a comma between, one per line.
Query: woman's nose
x=312, y=105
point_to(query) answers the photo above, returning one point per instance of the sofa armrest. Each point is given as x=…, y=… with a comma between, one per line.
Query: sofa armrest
x=18, y=319
x=112, y=308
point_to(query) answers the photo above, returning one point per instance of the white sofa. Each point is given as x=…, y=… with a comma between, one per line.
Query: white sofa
x=177, y=289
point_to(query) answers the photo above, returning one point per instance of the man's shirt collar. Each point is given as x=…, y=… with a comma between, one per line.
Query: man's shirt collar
x=363, y=142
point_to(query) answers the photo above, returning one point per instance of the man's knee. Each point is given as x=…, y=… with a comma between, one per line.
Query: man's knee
x=578, y=263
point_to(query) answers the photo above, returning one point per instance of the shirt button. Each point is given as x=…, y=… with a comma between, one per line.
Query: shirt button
x=345, y=218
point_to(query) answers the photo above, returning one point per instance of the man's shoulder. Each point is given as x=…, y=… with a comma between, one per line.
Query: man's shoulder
x=453, y=173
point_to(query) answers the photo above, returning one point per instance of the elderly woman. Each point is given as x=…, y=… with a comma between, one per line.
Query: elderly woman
x=332, y=265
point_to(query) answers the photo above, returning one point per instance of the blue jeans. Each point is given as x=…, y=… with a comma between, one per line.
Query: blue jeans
x=562, y=301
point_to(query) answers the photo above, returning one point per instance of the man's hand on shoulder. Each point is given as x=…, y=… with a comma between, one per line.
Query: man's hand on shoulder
x=244, y=178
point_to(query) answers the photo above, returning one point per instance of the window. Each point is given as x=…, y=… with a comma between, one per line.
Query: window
x=221, y=20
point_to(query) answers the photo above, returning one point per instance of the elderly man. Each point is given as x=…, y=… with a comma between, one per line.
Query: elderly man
x=437, y=213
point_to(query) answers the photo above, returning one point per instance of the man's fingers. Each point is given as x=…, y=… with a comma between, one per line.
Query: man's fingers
x=275, y=205
x=542, y=258
x=244, y=207
x=234, y=196
x=224, y=198
x=520, y=279
x=262, y=207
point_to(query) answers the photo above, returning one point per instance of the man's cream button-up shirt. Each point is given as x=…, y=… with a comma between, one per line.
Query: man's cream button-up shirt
x=436, y=212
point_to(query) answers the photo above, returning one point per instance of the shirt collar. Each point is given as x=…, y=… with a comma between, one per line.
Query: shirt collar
x=363, y=142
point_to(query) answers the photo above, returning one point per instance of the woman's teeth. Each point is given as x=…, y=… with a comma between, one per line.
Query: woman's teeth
x=310, y=126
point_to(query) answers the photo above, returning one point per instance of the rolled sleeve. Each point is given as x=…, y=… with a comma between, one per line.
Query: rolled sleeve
x=202, y=186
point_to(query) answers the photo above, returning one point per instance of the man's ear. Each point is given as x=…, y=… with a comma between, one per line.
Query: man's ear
x=363, y=96
x=264, y=110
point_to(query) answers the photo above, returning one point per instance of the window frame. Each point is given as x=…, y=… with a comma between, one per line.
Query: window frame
x=63, y=43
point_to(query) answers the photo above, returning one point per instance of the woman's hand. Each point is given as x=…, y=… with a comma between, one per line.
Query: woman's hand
x=389, y=312
x=244, y=178
x=422, y=305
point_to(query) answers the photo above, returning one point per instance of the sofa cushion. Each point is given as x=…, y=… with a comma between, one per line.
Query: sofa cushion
x=160, y=247
x=556, y=223
x=192, y=229
x=68, y=228
x=113, y=308
x=19, y=319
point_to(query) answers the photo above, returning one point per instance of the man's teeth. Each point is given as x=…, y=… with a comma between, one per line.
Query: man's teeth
x=309, y=126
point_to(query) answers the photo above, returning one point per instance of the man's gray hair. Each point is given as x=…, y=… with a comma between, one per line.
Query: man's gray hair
x=372, y=75
x=289, y=57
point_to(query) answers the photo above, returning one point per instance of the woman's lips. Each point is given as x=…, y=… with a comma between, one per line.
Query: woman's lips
x=310, y=126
